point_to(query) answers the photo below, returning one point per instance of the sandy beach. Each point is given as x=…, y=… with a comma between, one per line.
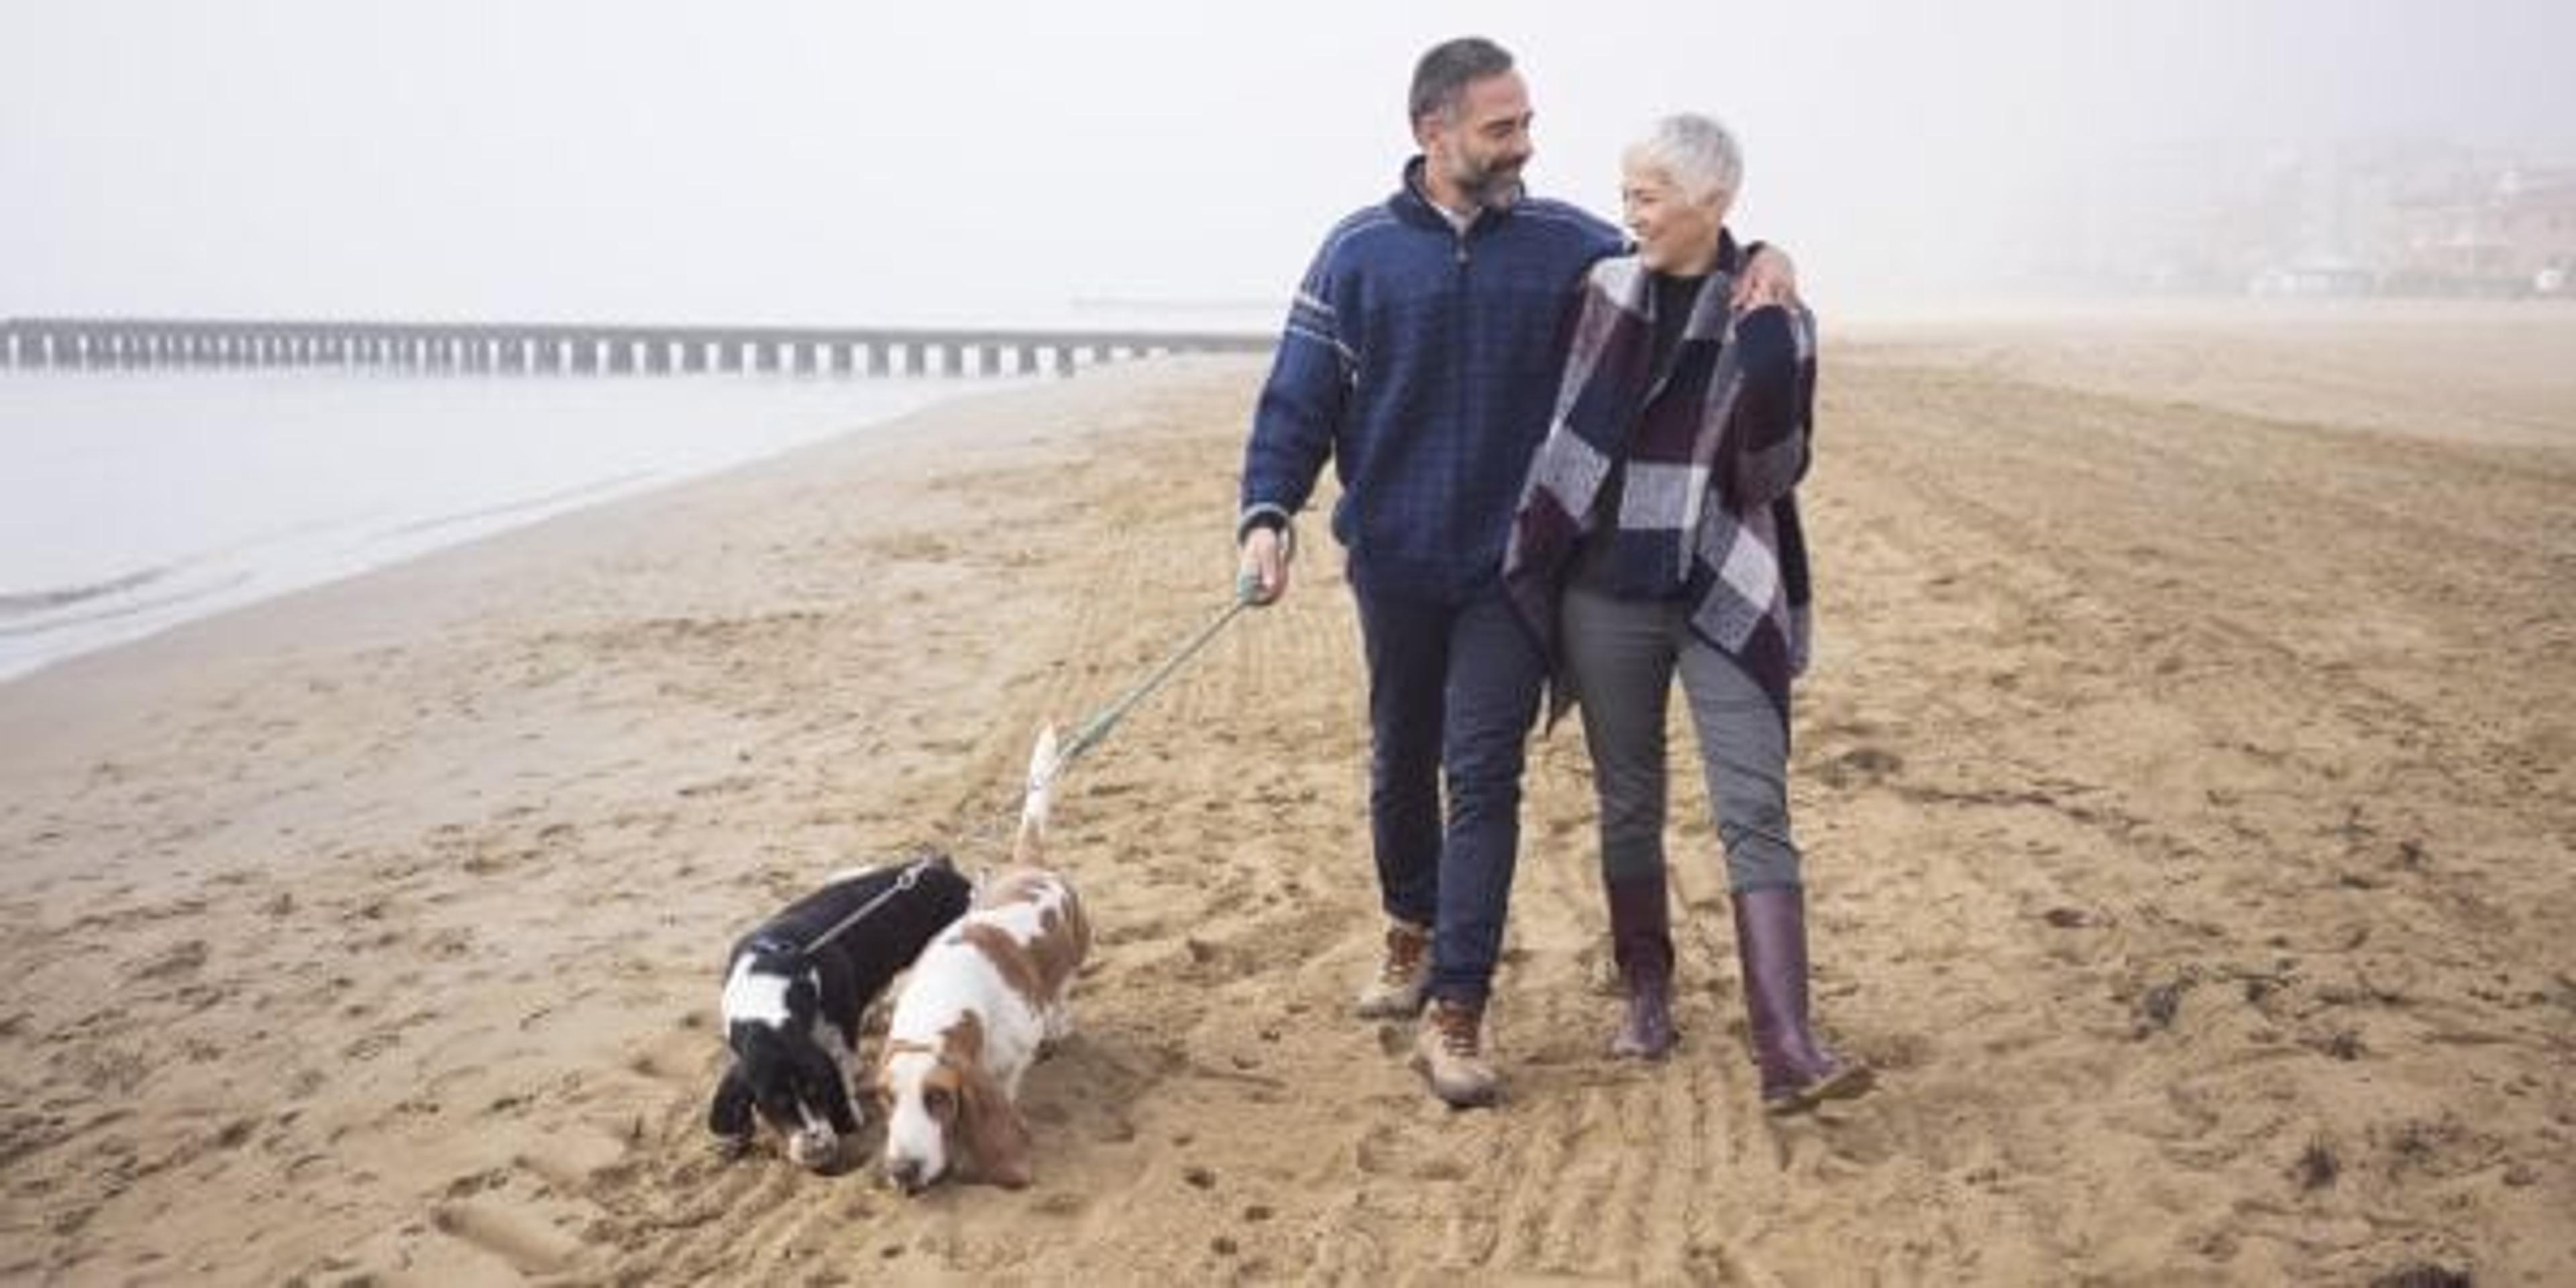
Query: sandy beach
x=2187, y=777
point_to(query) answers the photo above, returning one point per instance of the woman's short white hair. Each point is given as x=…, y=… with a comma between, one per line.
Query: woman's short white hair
x=1695, y=153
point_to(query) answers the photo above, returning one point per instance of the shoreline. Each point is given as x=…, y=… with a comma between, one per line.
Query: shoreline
x=157, y=497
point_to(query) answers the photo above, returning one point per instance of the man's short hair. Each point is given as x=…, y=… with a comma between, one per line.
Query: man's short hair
x=1695, y=153
x=1446, y=70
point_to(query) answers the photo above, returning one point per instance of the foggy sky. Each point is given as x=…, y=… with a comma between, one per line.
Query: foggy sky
x=865, y=162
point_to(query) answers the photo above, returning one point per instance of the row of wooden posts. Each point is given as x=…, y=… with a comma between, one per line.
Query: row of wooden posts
x=113, y=344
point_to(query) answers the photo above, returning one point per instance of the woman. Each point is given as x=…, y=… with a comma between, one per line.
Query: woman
x=1658, y=534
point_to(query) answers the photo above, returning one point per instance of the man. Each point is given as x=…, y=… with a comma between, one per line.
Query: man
x=1421, y=357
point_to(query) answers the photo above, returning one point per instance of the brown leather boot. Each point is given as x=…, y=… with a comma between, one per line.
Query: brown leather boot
x=1449, y=1052
x=1771, y=944
x=1641, y=939
x=1396, y=991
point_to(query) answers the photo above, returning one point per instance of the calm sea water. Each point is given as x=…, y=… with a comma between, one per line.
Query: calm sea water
x=133, y=501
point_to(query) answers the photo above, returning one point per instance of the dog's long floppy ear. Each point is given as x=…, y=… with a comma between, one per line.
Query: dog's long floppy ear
x=825, y=1080
x=993, y=1129
x=730, y=1115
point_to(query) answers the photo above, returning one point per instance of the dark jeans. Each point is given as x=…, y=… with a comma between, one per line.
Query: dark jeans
x=1454, y=688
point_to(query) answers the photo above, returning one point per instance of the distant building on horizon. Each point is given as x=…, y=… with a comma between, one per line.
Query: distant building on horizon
x=2513, y=234
x=2364, y=218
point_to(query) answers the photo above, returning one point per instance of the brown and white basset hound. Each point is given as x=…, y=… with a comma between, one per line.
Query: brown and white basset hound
x=978, y=1005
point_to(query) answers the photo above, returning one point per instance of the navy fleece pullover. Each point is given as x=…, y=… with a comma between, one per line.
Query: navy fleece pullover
x=1423, y=362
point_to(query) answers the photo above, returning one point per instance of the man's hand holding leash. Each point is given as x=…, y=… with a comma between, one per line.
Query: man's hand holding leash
x=1261, y=566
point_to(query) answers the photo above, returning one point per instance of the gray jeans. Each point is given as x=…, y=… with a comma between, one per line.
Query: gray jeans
x=1622, y=655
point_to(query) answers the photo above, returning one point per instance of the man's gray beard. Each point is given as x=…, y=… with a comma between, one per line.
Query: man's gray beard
x=1494, y=193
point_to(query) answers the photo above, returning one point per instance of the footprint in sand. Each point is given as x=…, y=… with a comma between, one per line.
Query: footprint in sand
x=529, y=1246
x=1862, y=766
x=182, y=959
x=371, y=1046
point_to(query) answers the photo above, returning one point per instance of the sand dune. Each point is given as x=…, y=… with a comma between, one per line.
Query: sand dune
x=2185, y=776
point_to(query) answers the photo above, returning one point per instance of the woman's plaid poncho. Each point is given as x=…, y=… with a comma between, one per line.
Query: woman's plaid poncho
x=1712, y=450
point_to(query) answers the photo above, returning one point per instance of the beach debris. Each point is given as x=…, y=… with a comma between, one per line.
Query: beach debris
x=2564, y=995
x=2423, y=1275
x=2158, y=1006
x=2317, y=1166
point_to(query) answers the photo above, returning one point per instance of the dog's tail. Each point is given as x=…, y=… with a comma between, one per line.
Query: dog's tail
x=1030, y=848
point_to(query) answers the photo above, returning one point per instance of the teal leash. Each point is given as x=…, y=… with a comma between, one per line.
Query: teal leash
x=1096, y=730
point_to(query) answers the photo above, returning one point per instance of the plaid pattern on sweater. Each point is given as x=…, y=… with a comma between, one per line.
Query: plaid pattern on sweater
x=1712, y=448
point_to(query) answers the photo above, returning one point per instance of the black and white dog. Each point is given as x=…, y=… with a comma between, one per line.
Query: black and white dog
x=795, y=990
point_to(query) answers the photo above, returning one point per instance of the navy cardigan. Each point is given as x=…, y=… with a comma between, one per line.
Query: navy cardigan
x=1423, y=362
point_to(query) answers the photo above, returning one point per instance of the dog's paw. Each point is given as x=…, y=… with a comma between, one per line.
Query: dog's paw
x=816, y=1150
x=729, y=1148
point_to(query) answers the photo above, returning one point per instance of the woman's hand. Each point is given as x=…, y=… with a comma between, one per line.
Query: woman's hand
x=1768, y=278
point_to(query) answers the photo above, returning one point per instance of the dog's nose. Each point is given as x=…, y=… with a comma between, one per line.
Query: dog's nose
x=905, y=1173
